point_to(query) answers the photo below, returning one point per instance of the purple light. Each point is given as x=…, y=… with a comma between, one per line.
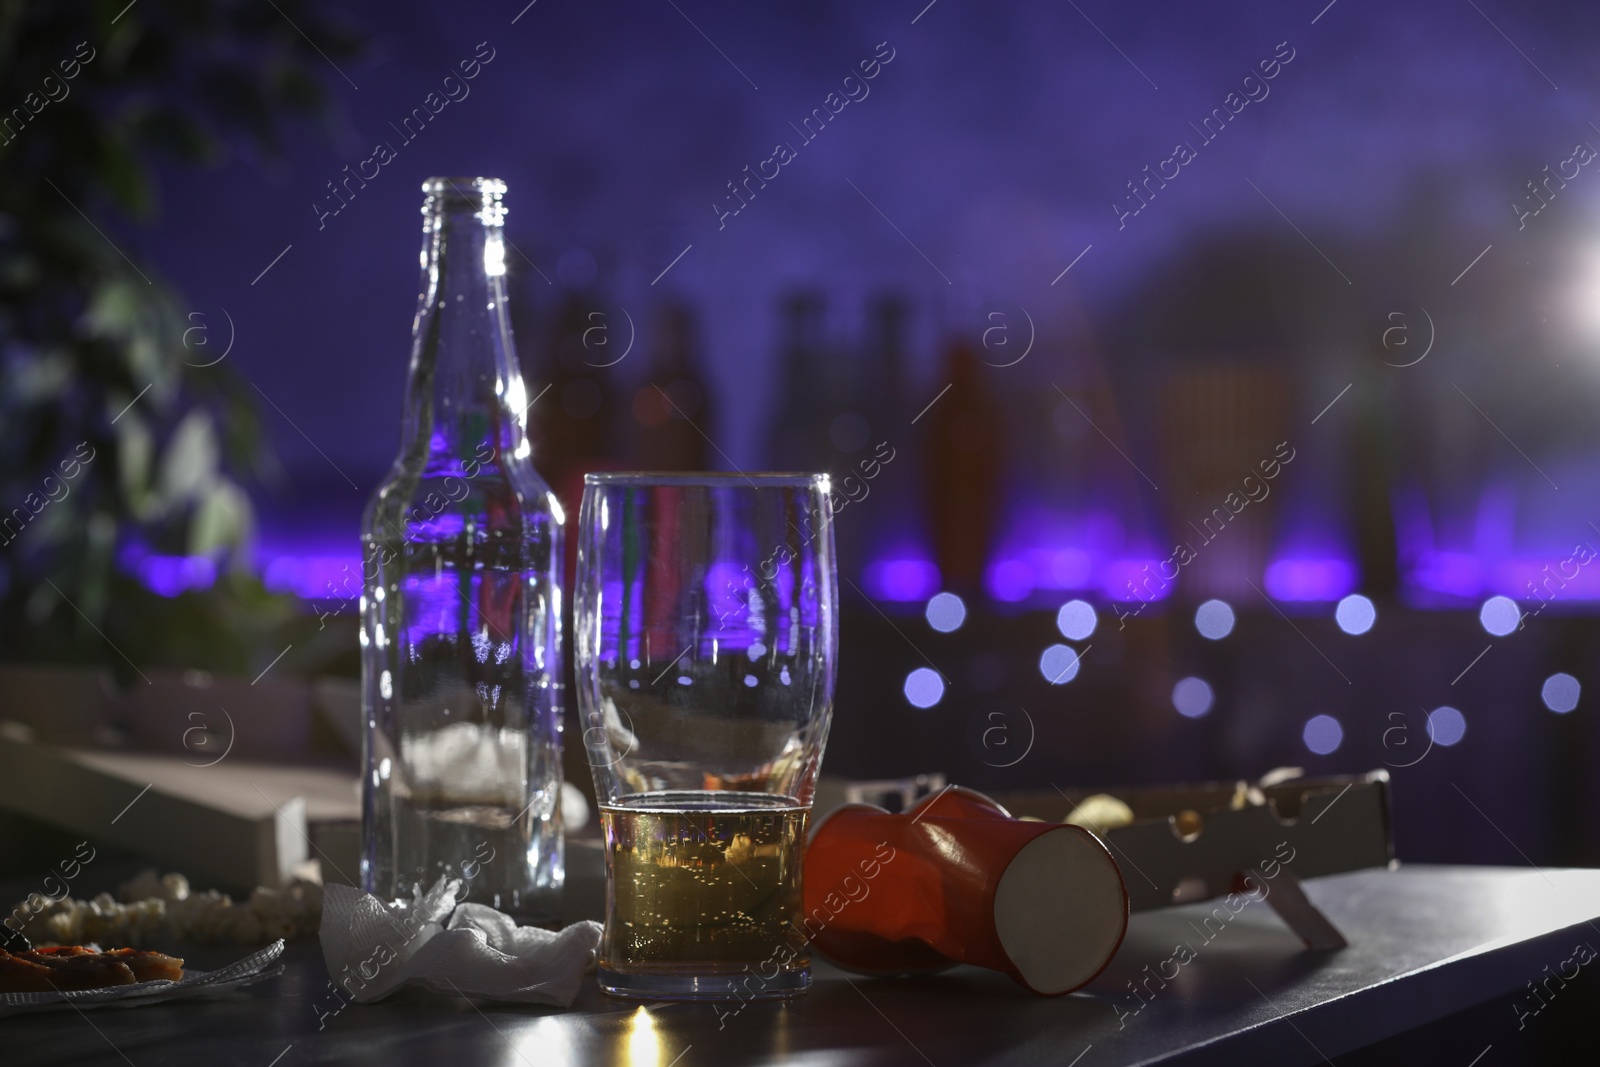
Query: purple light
x=728, y=587
x=611, y=599
x=946, y=612
x=1560, y=693
x=1512, y=550
x=167, y=576
x=1494, y=533
x=421, y=525
x=1500, y=615
x=1214, y=619
x=1063, y=568
x=1446, y=725
x=746, y=604
x=1310, y=579
x=1136, y=579
x=901, y=579
x=1192, y=697
x=924, y=688
x=1557, y=578
x=1355, y=614
x=1009, y=580
x=170, y=576
x=1048, y=549
x=1451, y=574
x=1322, y=734
x=314, y=577
x=1413, y=522
x=1059, y=664
x=1076, y=620
x=1043, y=569
x=433, y=604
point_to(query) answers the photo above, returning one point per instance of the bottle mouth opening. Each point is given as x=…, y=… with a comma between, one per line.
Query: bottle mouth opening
x=474, y=192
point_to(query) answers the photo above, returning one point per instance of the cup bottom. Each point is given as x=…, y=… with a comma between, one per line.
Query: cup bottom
x=740, y=986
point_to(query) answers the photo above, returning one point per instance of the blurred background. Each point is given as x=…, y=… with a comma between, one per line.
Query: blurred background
x=1212, y=386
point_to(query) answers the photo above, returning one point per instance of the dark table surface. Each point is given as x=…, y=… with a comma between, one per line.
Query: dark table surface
x=1425, y=942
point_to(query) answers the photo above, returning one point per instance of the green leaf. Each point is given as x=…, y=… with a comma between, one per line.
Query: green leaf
x=113, y=311
x=189, y=466
x=223, y=520
x=136, y=449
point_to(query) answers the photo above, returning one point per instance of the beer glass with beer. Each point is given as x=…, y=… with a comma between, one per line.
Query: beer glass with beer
x=705, y=638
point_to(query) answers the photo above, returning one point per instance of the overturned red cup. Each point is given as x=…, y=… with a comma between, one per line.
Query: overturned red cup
x=957, y=880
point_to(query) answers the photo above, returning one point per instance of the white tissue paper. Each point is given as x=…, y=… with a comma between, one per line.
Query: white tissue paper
x=372, y=949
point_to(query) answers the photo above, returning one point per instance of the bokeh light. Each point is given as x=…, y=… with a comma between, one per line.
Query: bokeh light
x=1322, y=734
x=1355, y=614
x=1076, y=620
x=1446, y=725
x=1499, y=615
x=1059, y=664
x=1560, y=693
x=1192, y=697
x=924, y=688
x=1214, y=619
x=946, y=612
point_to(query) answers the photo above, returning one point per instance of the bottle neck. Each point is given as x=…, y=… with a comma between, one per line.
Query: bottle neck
x=465, y=398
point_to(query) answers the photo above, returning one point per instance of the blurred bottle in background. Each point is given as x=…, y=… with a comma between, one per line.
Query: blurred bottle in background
x=842, y=392
x=842, y=371
x=580, y=419
x=799, y=436
x=671, y=412
x=874, y=445
x=883, y=360
x=576, y=422
x=1217, y=421
x=963, y=450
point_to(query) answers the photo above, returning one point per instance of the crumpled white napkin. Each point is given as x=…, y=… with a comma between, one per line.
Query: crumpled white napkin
x=372, y=949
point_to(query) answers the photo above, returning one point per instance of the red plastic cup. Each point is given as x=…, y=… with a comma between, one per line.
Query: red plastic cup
x=958, y=880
